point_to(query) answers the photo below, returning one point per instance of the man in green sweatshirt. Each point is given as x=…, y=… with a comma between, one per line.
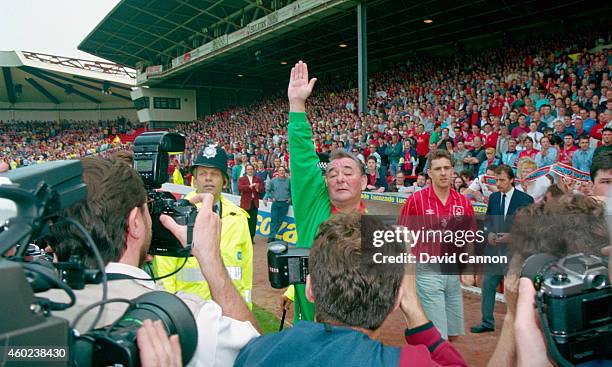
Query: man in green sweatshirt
x=316, y=197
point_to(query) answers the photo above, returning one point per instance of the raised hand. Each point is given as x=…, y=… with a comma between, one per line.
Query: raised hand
x=299, y=87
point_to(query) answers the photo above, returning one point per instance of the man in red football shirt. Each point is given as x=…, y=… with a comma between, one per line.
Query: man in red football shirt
x=439, y=207
x=422, y=146
x=566, y=155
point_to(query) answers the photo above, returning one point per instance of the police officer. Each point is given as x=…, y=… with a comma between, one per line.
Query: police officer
x=209, y=170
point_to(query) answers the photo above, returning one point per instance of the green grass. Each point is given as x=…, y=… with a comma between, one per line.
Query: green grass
x=268, y=322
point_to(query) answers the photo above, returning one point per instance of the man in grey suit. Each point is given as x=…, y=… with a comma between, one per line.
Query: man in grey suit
x=502, y=206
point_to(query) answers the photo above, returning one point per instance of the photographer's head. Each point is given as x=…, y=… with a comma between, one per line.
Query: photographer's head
x=210, y=171
x=568, y=225
x=601, y=173
x=344, y=289
x=115, y=214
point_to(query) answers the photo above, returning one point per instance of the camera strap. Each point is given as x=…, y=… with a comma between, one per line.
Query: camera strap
x=190, y=224
x=119, y=276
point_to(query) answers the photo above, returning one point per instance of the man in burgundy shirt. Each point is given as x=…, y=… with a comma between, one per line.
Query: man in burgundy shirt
x=439, y=207
x=250, y=186
x=521, y=128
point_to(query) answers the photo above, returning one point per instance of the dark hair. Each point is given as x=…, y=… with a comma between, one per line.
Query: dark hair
x=504, y=168
x=113, y=190
x=554, y=191
x=601, y=162
x=341, y=153
x=609, y=129
x=467, y=173
x=347, y=290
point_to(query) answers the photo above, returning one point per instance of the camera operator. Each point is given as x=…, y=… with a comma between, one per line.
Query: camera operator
x=210, y=174
x=568, y=225
x=352, y=300
x=117, y=216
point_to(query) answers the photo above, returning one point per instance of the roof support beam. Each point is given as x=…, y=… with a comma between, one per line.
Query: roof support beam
x=178, y=25
x=362, y=56
x=42, y=90
x=100, y=45
x=129, y=41
x=8, y=83
x=116, y=86
x=89, y=86
x=66, y=87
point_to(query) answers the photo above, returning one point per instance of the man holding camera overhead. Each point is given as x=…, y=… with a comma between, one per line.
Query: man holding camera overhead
x=210, y=176
x=116, y=215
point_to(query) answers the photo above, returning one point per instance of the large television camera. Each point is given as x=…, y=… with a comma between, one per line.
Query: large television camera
x=151, y=162
x=574, y=302
x=32, y=198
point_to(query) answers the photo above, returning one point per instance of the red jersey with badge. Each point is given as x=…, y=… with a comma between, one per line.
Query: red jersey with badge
x=423, y=209
x=566, y=155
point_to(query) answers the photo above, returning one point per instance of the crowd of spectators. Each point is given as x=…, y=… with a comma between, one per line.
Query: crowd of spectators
x=540, y=102
x=23, y=143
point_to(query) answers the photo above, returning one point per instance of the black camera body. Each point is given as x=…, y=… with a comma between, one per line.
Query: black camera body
x=286, y=264
x=151, y=162
x=575, y=297
x=163, y=242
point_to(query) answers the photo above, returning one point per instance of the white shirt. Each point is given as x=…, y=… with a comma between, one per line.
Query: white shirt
x=250, y=183
x=507, y=202
x=220, y=338
x=536, y=189
x=536, y=136
x=478, y=185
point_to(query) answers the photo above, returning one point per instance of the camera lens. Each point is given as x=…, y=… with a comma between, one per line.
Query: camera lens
x=535, y=266
x=599, y=281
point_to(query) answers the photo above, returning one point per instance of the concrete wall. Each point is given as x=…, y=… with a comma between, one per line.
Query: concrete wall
x=186, y=113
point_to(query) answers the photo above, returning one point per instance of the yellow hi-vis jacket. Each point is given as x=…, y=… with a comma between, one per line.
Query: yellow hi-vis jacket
x=236, y=252
x=177, y=177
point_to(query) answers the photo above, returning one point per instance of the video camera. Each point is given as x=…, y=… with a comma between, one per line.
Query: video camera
x=32, y=199
x=286, y=264
x=574, y=301
x=151, y=162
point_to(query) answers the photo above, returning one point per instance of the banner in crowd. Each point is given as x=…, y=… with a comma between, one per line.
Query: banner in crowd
x=562, y=170
x=559, y=168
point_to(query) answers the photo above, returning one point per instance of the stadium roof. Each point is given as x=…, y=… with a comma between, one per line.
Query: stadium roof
x=172, y=33
x=33, y=77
